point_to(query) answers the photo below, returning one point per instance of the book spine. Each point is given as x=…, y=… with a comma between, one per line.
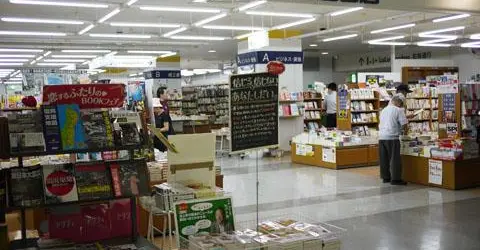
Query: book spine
x=108, y=130
x=116, y=180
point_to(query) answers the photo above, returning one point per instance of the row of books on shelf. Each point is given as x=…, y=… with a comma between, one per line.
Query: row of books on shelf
x=470, y=122
x=312, y=126
x=213, y=91
x=422, y=127
x=362, y=106
x=425, y=115
x=291, y=96
x=364, y=118
x=423, y=92
x=362, y=94
x=363, y=130
x=470, y=92
x=313, y=115
x=442, y=79
x=66, y=127
x=311, y=105
x=422, y=103
x=470, y=107
x=289, y=110
x=55, y=184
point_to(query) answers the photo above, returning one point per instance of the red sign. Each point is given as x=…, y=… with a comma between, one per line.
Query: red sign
x=275, y=67
x=87, y=96
x=60, y=183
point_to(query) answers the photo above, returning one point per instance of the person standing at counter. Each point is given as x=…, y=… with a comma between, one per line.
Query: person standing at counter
x=392, y=123
x=330, y=105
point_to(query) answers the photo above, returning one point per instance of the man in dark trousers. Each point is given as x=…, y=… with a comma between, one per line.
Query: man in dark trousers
x=392, y=123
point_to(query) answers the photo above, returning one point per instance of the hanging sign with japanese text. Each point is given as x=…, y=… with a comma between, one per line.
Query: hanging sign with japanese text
x=87, y=96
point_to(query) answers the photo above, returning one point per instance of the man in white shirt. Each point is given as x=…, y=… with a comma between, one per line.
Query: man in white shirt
x=330, y=105
x=392, y=123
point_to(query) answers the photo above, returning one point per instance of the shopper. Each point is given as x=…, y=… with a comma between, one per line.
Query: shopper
x=402, y=91
x=392, y=123
x=163, y=97
x=161, y=122
x=330, y=105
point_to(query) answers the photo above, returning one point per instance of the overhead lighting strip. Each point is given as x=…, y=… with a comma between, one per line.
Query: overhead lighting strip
x=288, y=25
x=21, y=50
x=472, y=44
x=387, y=41
x=39, y=20
x=60, y=3
x=227, y=27
x=339, y=38
x=449, y=18
x=176, y=31
x=16, y=56
x=30, y=33
x=85, y=51
x=207, y=38
x=345, y=11
x=251, y=5
x=439, y=39
x=210, y=19
x=109, y=15
x=179, y=9
x=410, y=25
x=133, y=36
x=86, y=29
x=147, y=25
x=279, y=14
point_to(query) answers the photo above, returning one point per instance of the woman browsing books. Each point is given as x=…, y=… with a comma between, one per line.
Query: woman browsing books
x=162, y=122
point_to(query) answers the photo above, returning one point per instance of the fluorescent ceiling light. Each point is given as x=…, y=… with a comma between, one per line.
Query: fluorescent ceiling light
x=313, y=45
x=17, y=56
x=324, y=53
x=475, y=36
x=210, y=19
x=393, y=28
x=135, y=36
x=112, y=53
x=341, y=12
x=38, y=20
x=438, y=42
x=441, y=31
x=173, y=32
x=448, y=18
x=85, y=51
x=134, y=57
x=6, y=70
x=386, y=41
x=227, y=27
x=153, y=25
x=243, y=36
x=11, y=64
x=135, y=74
x=109, y=15
x=16, y=73
x=47, y=53
x=149, y=52
x=53, y=64
x=267, y=13
x=212, y=51
x=13, y=60
x=131, y=2
x=471, y=45
x=60, y=3
x=39, y=58
x=74, y=56
x=339, y=37
x=207, y=38
x=13, y=82
x=250, y=5
x=168, y=55
x=64, y=60
x=434, y=45
x=86, y=62
x=180, y=9
x=33, y=62
x=288, y=25
x=30, y=33
x=86, y=29
x=20, y=50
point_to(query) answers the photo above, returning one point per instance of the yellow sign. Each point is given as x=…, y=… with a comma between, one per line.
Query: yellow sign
x=163, y=139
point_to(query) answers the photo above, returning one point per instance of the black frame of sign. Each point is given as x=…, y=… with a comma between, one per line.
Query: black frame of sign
x=253, y=109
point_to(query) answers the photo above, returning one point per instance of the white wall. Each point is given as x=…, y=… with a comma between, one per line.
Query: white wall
x=468, y=63
x=324, y=73
x=207, y=79
x=399, y=64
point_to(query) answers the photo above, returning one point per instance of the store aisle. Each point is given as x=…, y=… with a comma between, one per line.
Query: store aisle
x=376, y=215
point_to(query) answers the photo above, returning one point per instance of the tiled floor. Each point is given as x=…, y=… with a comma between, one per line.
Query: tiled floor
x=376, y=215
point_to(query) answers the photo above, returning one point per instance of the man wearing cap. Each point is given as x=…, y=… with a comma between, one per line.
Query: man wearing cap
x=392, y=123
x=402, y=92
x=161, y=122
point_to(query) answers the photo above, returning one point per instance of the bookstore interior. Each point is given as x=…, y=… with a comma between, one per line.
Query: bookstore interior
x=114, y=132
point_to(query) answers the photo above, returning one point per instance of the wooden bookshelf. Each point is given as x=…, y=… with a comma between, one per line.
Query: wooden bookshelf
x=316, y=100
x=411, y=75
x=348, y=124
x=431, y=109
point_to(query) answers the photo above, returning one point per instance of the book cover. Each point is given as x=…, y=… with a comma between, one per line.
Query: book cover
x=26, y=132
x=294, y=109
x=59, y=183
x=71, y=129
x=51, y=128
x=121, y=218
x=93, y=182
x=65, y=223
x=130, y=179
x=26, y=186
x=129, y=134
x=98, y=129
x=95, y=222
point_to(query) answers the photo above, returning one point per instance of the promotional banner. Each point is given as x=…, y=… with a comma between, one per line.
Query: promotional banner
x=86, y=96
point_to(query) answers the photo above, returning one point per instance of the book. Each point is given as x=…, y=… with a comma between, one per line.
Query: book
x=129, y=134
x=26, y=132
x=98, y=129
x=95, y=223
x=93, y=182
x=59, y=183
x=130, y=179
x=50, y=128
x=71, y=129
x=26, y=186
x=65, y=223
x=121, y=218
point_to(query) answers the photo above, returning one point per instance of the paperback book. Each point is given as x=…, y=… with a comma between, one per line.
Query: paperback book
x=93, y=182
x=26, y=186
x=130, y=179
x=129, y=134
x=98, y=129
x=51, y=129
x=26, y=132
x=71, y=128
x=59, y=183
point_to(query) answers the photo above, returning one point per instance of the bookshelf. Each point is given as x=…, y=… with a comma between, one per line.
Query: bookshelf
x=313, y=104
x=412, y=75
x=290, y=105
x=363, y=113
x=423, y=98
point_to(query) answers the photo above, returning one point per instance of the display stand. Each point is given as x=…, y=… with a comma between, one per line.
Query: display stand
x=313, y=110
x=349, y=116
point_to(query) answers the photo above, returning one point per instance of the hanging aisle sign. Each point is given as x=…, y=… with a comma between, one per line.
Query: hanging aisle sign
x=87, y=96
x=253, y=111
x=264, y=57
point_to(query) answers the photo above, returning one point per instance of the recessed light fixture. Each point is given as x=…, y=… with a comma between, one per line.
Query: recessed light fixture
x=341, y=12
x=86, y=29
x=176, y=31
x=251, y=5
x=448, y=18
x=340, y=37
x=288, y=25
x=17, y=56
x=109, y=15
x=313, y=45
x=133, y=36
x=212, y=51
x=282, y=14
x=153, y=25
x=85, y=51
x=393, y=28
x=180, y=9
x=21, y=50
x=207, y=38
x=39, y=20
x=324, y=53
x=59, y=3
x=210, y=19
x=30, y=33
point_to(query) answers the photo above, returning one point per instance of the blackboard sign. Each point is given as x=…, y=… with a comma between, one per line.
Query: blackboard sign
x=253, y=111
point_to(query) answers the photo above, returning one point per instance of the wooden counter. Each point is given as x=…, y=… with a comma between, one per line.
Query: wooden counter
x=346, y=157
x=455, y=174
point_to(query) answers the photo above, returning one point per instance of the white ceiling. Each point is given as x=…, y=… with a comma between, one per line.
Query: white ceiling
x=360, y=22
